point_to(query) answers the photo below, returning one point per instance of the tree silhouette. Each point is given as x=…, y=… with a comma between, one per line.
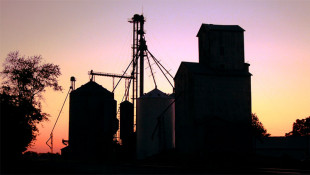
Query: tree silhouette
x=24, y=81
x=258, y=128
x=300, y=128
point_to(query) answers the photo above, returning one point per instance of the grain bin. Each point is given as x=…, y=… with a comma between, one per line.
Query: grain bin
x=155, y=123
x=92, y=121
x=126, y=122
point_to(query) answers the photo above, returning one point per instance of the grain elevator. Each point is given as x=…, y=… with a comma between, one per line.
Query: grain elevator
x=213, y=111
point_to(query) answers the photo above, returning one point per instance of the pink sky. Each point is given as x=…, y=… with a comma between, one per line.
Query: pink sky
x=84, y=35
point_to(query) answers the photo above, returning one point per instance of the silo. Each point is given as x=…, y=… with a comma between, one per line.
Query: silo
x=92, y=121
x=126, y=122
x=155, y=123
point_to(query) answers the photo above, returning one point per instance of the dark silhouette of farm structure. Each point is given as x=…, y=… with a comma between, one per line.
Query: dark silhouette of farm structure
x=203, y=126
x=208, y=114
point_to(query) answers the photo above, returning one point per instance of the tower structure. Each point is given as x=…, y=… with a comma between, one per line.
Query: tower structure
x=213, y=111
x=139, y=49
x=140, y=53
x=91, y=100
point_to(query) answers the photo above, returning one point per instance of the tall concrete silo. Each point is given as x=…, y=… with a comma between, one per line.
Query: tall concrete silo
x=92, y=122
x=155, y=123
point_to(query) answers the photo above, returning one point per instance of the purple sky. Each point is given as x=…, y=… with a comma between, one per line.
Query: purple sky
x=84, y=35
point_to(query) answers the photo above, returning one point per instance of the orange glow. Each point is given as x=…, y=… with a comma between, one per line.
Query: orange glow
x=94, y=35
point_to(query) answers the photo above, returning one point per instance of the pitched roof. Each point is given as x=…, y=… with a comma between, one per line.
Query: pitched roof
x=126, y=102
x=202, y=69
x=155, y=93
x=212, y=27
x=93, y=88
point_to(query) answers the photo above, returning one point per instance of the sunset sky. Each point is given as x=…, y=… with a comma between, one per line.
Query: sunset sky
x=81, y=35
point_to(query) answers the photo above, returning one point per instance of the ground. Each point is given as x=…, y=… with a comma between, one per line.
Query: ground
x=157, y=165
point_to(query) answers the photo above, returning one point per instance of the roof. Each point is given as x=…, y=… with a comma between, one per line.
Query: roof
x=202, y=69
x=93, y=88
x=213, y=27
x=197, y=68
x=126, y=102
x=155, y=93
